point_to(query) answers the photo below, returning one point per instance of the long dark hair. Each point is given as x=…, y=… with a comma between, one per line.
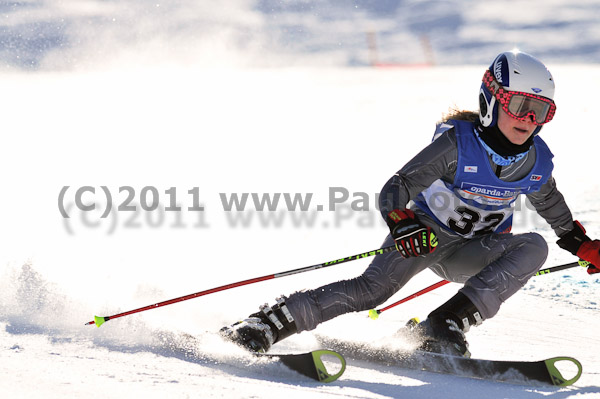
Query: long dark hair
x=461, y=115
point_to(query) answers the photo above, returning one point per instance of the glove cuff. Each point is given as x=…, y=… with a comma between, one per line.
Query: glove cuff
x=396, y=216
x=572, y=240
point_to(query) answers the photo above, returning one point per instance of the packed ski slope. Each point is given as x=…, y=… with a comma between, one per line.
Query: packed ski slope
x=195, y=104
x=292, y=130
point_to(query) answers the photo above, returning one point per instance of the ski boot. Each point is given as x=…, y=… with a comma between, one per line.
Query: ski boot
x=445, y=328
x=261, y=330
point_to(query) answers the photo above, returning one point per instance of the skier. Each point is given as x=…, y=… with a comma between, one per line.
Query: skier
x=463, y=187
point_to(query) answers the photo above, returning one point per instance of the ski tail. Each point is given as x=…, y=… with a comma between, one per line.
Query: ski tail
x=312, y=364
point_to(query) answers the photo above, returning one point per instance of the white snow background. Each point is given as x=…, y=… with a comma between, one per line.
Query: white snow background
x=221, y=97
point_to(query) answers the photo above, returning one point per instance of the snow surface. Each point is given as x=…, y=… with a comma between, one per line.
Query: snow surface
x=246, y=130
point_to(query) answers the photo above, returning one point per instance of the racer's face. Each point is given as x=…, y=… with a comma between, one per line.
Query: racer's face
x=516, y=131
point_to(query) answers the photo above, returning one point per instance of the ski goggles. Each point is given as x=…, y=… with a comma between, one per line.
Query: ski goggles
x=520, y=105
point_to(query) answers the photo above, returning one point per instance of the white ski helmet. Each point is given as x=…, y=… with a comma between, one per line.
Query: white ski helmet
x=521, y=85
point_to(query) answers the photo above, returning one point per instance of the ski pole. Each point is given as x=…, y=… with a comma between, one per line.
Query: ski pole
x=98, y=321
x=374, y=314
x=580, y=262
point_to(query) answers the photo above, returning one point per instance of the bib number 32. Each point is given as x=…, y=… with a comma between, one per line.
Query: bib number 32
x=471, y=218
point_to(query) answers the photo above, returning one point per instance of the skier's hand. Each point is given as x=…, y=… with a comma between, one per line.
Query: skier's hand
x=579, y=244
x=412, y=237
x=590, y=251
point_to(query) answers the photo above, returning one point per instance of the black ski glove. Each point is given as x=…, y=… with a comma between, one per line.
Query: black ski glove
x=412, y=237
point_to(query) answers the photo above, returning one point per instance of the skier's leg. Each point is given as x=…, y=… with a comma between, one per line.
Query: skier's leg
x=493, y=268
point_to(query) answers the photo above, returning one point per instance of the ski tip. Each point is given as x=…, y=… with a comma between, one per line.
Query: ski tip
x=98, y=321
x=374, y=314
x=555, y=374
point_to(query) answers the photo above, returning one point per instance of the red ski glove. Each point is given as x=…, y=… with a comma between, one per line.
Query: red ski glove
x=579, y=244
x=590, y=251
x=412, y=237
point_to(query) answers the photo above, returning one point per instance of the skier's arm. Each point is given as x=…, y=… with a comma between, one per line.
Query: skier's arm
x=550, y=205
x=436, y=161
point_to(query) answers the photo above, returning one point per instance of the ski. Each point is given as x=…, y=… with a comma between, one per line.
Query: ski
x=311, y=364
x=522, y=372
